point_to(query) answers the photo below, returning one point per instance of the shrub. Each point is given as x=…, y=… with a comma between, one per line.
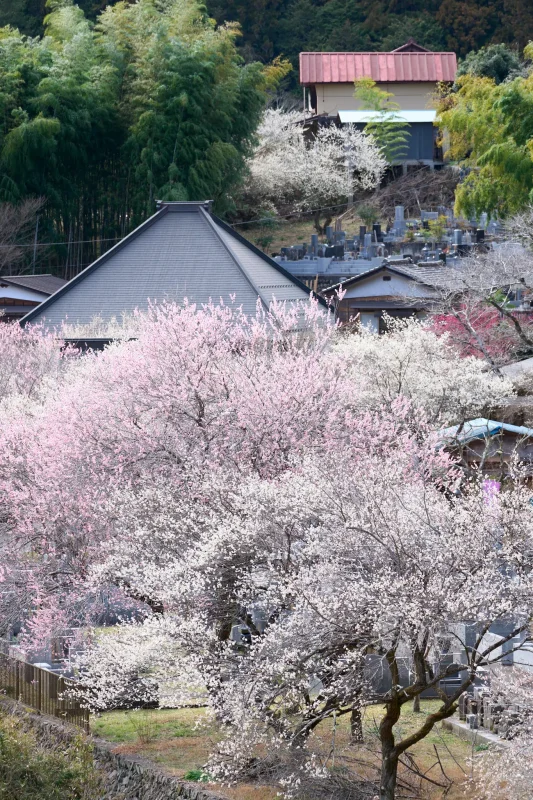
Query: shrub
x=28, y=771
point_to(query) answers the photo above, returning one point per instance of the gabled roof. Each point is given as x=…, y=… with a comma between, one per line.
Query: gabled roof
x=45, y=284
x=394, y=67
x=429, y=276
x=182, y=251
x=411, y=47
x=518, y=369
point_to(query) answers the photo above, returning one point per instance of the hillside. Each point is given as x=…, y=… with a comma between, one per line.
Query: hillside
x=285, y=27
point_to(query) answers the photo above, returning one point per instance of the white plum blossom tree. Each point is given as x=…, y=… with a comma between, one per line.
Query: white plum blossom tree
x=415, y=362
x=509, y=769
x=293, y=172
x=351, y=564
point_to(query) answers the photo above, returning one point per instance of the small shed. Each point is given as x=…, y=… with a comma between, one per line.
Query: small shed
x=411, y=73
x=397, y=291
x=489, y=445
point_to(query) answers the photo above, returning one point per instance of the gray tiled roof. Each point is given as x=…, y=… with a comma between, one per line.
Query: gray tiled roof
x=46, y=284
x=180, y=252
x=438, y=276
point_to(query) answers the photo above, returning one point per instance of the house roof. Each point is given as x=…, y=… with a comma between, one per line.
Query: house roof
x=429, y=276
x=518, y=369
x=182, y=251
x=45, y=284
x=396, y=66
x=480, y=428
x=411, y=47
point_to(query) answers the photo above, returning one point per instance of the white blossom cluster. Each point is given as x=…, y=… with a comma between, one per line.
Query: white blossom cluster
x=414, y=362
x=295, y=172
x=508, y=769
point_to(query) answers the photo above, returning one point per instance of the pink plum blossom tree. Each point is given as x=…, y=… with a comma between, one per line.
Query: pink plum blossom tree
x=263, y=475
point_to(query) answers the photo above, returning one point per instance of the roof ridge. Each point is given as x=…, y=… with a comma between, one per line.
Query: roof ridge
x=213, y=226
x=267, y=259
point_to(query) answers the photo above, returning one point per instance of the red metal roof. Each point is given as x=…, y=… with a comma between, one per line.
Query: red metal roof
x=381, y=67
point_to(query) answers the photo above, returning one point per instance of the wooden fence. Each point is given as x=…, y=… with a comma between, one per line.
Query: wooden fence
x=42, y=690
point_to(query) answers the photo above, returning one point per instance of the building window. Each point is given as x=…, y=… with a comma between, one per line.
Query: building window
x=386, y=277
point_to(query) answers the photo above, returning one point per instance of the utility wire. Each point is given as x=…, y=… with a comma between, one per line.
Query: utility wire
x=232, y=225
x=50, y=244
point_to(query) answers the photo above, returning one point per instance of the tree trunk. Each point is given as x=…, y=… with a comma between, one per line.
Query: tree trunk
x=416, y=703
x=389, y=772
x=356, y=724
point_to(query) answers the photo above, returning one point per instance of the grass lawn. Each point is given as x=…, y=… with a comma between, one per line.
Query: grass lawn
x=287, y=232
x=284, y=234
x=180, y=741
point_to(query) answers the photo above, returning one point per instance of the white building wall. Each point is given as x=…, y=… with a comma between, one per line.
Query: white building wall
x=398, y=286
x=19, y=293
x=370, y=320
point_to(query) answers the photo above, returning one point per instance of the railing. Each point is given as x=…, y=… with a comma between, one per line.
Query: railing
x=42, y=690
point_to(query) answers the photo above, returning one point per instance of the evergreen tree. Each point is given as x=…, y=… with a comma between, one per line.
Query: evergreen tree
x=497, y=61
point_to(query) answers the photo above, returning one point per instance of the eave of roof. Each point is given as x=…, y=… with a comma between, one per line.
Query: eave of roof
x=45, y=283
x=481, y=428
x=360, y=116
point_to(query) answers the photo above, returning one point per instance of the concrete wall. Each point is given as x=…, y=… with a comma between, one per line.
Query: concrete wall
x=334, y=97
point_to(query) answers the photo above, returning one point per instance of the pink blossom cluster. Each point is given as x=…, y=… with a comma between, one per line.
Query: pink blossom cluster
x=270, y=499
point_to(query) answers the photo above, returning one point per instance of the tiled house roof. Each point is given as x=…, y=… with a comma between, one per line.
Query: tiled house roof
x=182, y=251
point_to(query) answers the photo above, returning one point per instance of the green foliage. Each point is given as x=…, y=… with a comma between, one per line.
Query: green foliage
x=490, y=127
x=367, y=213
x=497, y=61
x=423, y=28
x=437, y=228
x=390, y=133
x=196, y=775
x=275, y=27
x=159, y=724
x=151, y=102
x=29, y=771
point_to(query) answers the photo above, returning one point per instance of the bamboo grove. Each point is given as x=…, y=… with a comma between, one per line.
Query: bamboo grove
x=152, y=101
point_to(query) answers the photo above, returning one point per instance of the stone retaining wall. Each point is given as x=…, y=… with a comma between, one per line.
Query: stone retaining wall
x=127, y=777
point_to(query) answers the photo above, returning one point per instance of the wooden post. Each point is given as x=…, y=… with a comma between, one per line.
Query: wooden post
x=39, y=689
